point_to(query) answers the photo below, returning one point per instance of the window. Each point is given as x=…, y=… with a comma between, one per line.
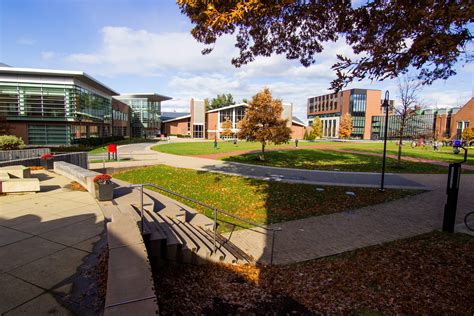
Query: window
x=49, y=134
x=229, y=113
x=239, y=114
x=198, y=131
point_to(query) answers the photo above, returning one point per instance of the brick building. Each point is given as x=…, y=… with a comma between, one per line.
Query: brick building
x=207, y=124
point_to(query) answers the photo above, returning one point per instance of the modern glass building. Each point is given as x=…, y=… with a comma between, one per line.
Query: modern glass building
x=146, y=112
x=54, y=107
x=361, y=104
x=419, y=125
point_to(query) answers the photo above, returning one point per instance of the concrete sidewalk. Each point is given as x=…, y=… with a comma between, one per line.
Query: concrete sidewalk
x=146, y=157
x=47, y=240
x=321, y=236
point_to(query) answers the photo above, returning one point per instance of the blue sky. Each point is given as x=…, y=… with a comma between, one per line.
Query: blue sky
x=145, y=46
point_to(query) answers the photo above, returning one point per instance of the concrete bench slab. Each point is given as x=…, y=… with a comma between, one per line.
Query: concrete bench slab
x=17, y=171
x=4, y=176
x=20, y=185
x=83, y=176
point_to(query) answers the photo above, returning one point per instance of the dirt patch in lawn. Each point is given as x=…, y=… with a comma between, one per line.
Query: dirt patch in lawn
x=429, y=274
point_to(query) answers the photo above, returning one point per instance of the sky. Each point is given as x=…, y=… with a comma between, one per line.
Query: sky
x=146, y=46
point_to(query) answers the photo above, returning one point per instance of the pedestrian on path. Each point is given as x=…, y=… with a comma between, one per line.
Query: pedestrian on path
x=435, y=145
x=296, y=143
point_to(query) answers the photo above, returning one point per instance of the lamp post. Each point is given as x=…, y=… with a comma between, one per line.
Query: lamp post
x=385, y=105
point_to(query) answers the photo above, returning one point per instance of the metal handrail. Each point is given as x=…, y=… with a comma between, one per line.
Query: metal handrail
x=214, y=209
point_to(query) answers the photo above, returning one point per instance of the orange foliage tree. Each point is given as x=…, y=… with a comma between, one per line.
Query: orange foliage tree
x=226, y=127
x=345, y=128
x=263, y=123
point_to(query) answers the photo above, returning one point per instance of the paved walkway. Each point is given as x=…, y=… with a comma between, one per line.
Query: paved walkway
x=327, y=235
x=145, y=157
x=47, y=240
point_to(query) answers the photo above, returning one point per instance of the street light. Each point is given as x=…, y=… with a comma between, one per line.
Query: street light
x=385, y=105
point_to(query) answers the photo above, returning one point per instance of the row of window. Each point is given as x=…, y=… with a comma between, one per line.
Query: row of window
x=53, y=101
x=235, y=115
x=119, y=116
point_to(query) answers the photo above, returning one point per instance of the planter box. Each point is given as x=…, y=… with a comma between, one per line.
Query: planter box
x=47, y=163
x=104, y=192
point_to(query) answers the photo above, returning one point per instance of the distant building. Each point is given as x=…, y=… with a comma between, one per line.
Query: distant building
x=207, y=124
x=361, y=104
x=462, y=119
x=60, y=107
x=54, y=107
x=146, y=109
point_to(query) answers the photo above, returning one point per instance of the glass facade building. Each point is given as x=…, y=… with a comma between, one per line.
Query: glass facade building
x=420, y=125
x=146, y=113
x=54, y=107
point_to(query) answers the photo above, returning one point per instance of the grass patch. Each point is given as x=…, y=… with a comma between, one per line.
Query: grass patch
x=424, y=275
x=264, y=202
x=316, y=159
x=206, y=148
x=444, y=154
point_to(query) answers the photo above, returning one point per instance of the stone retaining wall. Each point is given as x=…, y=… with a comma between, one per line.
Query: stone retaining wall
x=6, y=155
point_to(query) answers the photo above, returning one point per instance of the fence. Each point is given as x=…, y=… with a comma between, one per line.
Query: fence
x=78, y=159
x=6, y=155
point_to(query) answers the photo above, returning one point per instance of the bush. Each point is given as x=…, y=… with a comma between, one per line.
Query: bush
x=10, y=142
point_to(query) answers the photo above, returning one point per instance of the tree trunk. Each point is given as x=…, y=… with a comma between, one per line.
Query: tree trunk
x=400, y=143
x=262, y=155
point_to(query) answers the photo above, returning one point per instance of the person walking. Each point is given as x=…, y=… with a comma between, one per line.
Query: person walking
x=435, y=145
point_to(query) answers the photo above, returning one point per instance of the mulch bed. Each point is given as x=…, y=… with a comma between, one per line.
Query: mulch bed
x=428, y=274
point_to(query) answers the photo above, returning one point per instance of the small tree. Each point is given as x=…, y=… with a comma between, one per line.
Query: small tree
x=408, y=90
x=468, y=134
x=263, y=123
x=316, y=128
x=226, y=126
x=10, y=142
x=345, y=128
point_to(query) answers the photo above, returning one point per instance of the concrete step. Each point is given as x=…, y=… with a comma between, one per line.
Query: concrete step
x=203, y=251
x=232, y=248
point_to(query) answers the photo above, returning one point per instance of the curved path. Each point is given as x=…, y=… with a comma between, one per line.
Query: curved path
x=321, y=236
x=142, y=155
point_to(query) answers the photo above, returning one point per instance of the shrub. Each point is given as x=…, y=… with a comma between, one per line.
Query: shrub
x=10, y=142
x=102, y=179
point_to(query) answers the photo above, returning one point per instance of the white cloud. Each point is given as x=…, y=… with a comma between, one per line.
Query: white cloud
x=48, y=55
x=140, y=52
x=175, y=57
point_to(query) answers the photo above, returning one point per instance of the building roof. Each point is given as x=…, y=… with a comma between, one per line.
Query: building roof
x=172, y=115
x=297, y=121
x=227, y=107
x=82, y=76
x=177, y=118
x=151, y=96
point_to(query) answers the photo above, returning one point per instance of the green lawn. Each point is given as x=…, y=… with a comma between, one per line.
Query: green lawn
x=316, y=159
x=264, y=202
x=444, y=154
x=206, y=148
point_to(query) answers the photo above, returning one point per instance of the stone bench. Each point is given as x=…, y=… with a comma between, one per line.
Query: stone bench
x=83, y=176
x=4, y=176
x=20, y=185
x=17, y=171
